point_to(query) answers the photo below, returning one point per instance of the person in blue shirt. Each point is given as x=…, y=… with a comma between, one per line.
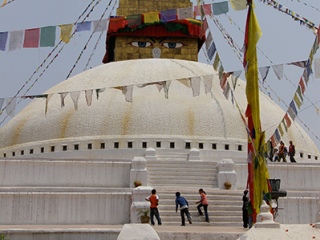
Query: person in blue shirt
x=184, y=208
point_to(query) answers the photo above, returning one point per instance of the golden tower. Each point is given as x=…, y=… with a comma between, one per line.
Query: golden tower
x=130, y=36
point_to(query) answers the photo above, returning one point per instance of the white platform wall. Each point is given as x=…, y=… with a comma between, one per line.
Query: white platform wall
x=301, y=181
x=67, y=173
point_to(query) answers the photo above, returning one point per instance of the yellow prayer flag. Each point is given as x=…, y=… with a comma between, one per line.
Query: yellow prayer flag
x=4, y=3
x=297, y=100
x=216, y=62
x=65, y=34
x=280, y=130
x=238, y=4
x=151, y=17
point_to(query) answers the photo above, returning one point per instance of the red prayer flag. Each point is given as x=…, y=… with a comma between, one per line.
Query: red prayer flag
x=303, y=87
x=288, y=121
x=31, y=38
x=207, y=10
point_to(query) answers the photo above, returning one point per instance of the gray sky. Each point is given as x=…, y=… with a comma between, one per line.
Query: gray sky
x=283, y=41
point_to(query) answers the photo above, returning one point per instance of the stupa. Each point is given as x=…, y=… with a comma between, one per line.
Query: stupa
x=74, y=164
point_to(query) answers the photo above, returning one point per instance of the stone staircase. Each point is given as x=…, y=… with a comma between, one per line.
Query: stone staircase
x=224, y=206
x=182, y=173
x=168, y=177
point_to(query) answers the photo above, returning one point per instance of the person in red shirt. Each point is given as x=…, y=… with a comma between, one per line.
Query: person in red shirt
x=282, y=152
x=154, y=202
x=203, y=202
x=292, y=152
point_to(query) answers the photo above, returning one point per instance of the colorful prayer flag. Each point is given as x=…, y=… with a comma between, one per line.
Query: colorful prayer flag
x=211, y=51
x=297, y=100
x=151, y=17
x=288, y=121
x=65, y=33
x=15, y=40
x=220, y=8
x=3, y=40
x=278, y=70
x=31, y=38
x=48, y=36
x=134, y=20
x=83, y=26
x=206, y=9
x=100, y=25
x=238, y=4
x=184, y=13
x=168, y=15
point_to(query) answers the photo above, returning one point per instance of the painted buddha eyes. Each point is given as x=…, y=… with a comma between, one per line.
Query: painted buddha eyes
x=172, y=45
x=141, y=44
x=145, y=44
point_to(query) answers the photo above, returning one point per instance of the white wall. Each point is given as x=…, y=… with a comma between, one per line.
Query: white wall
x=64, y=173
x=64, y=208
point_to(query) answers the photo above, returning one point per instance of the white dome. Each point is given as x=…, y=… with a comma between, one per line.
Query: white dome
x=149, y=116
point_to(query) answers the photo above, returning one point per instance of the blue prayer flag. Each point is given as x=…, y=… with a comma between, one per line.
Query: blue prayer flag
x=83, y=26
x=3, y=40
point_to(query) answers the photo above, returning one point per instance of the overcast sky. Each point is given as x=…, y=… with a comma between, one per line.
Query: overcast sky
x=283, y=41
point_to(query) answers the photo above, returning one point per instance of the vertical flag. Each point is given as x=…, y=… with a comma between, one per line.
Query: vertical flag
x=258, y=171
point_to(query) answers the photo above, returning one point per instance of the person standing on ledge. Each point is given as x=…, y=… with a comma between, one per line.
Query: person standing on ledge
x=184, y=208
x=282, y=152
x=154, y=202
x=292, y=152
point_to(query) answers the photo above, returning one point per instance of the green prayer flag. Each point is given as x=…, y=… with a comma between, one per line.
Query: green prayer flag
x=48, y=36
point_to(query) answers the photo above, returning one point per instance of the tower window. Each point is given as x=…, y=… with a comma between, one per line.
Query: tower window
x=13, y=154
x=188, y=145
x=316, y=157
x=116, y=145
x=52, y=148
x=22, y=152
x=102, y=145
x=144, y=144
x=301, y=155
x=130, y=144
x=158, y=144
x=172, y=144
x=239, y=147
x=309, y=156
x=76, y=147
x=42, y=150
x=89, y=146
x=31, y=151
x=226, y=147
x=214, y=146
x=4, y=155
x=200, y=145
x=64, y=148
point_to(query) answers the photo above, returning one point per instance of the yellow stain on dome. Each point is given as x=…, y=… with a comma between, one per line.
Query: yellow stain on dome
x=126, y=121
x=17, y=131
x=64, y=123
